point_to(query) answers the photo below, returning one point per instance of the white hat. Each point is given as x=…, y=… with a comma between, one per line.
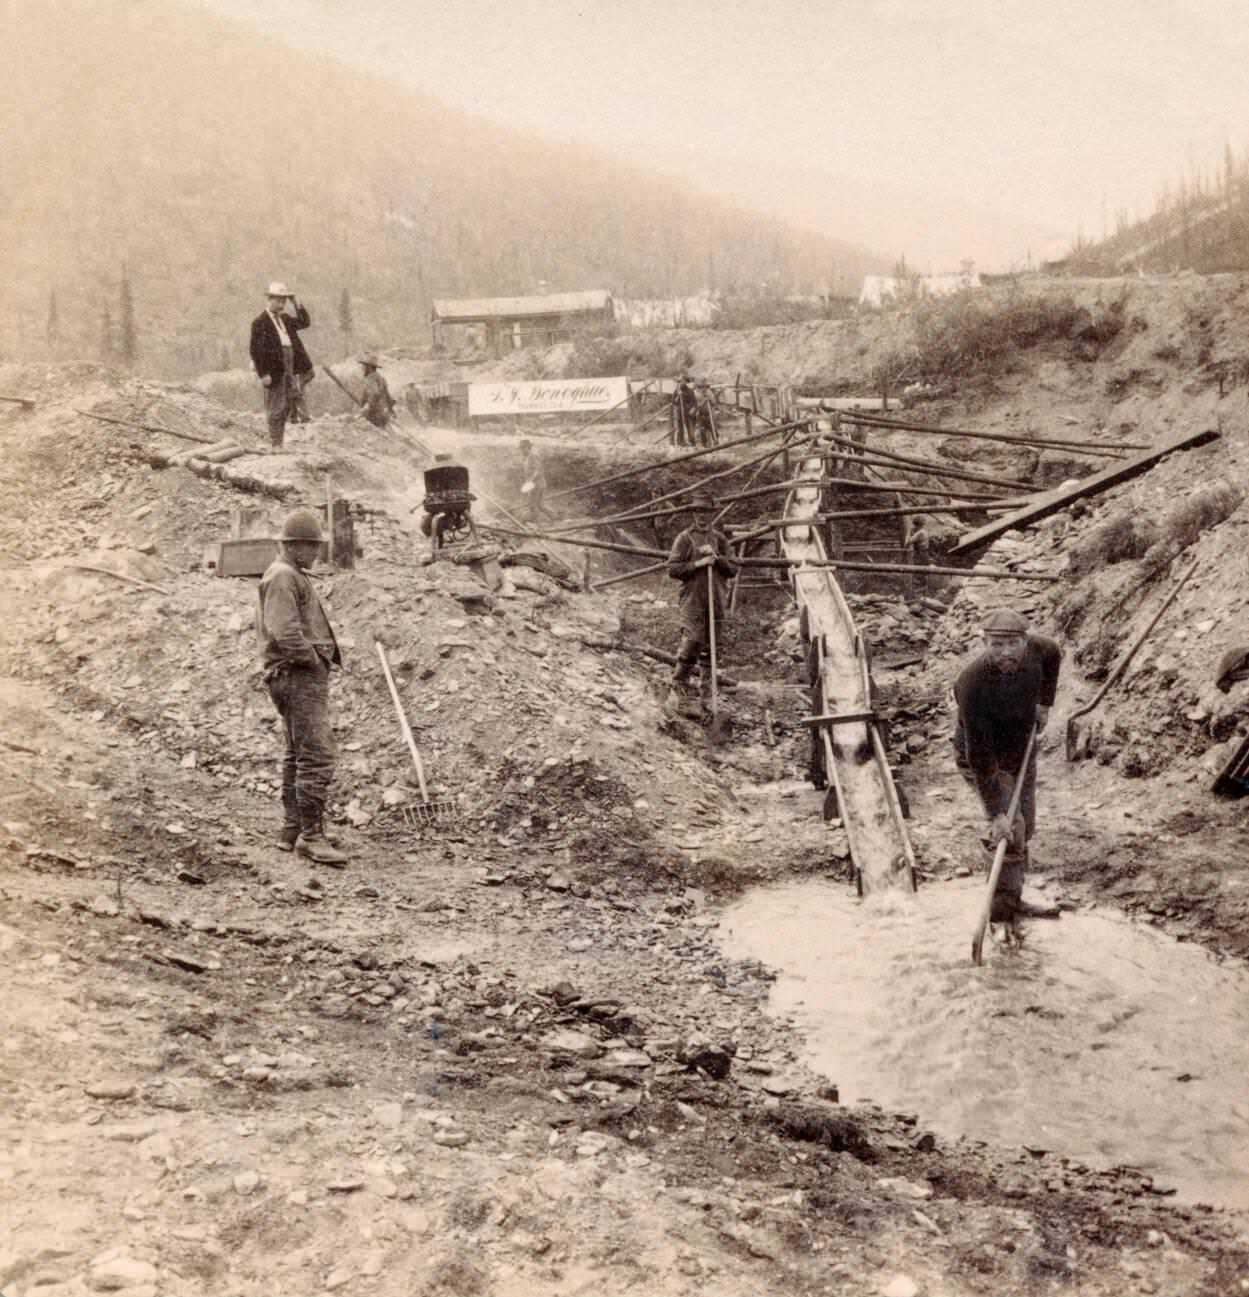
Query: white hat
x=278, y=289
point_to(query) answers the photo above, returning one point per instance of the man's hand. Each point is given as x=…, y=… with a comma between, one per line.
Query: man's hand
x=1042, y=720
x=267, y=381
x=706, y=561
x=999, y=828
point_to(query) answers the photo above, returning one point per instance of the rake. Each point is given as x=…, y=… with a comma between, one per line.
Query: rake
x=424, y=812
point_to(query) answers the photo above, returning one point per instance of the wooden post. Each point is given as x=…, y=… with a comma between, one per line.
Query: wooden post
x=329, y=518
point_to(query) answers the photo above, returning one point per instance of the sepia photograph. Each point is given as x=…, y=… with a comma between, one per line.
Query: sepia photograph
x=624, y=648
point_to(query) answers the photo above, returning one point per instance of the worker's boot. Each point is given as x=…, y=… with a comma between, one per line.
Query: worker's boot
x=313, y=844
x=1033, y=910
x=680, y=693
x=290, y=821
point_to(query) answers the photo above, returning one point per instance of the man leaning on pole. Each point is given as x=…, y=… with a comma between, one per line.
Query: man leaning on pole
x=297, y=650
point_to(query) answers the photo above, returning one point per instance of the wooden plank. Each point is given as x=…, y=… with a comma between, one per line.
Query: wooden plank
x=1058, y=499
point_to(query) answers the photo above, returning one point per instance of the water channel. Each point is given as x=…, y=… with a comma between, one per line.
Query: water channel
x=1102, y=1039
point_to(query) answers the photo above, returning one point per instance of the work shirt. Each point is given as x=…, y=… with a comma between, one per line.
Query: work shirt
x=694, y=588
x=531, y=471
x=291, y=624
x=378, y=403
x=279, y=323
x=996, y=709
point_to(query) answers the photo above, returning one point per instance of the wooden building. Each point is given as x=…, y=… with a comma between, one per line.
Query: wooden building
x=508, y=323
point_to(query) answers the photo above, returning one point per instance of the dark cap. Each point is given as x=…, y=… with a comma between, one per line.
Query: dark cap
x=1006, y=620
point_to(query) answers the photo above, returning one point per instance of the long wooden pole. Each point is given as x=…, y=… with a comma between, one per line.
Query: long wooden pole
x=676, y=459
x=145, y=427
x=642, y=551
x=887, y=458
x=999, y=855
x=905, y=425
x=629, y=576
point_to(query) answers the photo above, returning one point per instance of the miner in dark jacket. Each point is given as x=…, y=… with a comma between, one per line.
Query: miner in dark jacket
x=279, y=358
x=1001, y=695
x=699, y=549
x=297, y=649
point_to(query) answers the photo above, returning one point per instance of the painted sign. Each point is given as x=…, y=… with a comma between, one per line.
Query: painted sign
x=547, y=396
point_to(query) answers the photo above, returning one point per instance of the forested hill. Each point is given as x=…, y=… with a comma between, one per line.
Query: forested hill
x=149, y=142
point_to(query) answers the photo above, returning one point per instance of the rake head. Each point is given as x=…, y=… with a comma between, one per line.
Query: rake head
x=420, y=814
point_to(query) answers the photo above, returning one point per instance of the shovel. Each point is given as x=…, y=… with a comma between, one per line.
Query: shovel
x=718, y=730
x=999, y=855
x=425, y=812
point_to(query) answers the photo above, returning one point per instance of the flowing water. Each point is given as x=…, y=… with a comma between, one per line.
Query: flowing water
x=1101, y=1039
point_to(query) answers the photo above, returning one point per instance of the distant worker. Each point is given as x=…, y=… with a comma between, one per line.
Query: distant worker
x=297, y=650
x=698, y=549
x=533, y=482
x=280, y=360
x=377, y=404
x=684, y=412
x=1004, y=692
x=917, y=547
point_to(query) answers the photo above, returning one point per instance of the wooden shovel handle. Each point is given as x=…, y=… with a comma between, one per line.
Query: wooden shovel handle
x=999, y=855
x=403, y=720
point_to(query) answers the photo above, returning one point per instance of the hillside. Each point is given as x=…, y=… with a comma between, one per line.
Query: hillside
x=518, y=1053
x=153, y=142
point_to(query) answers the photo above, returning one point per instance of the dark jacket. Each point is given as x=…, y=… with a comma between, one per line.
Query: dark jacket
x=266, y=345
x=694, y=583
x=291, y=624
x=996, y=711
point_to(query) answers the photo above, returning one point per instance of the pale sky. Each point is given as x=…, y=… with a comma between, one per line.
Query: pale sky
x=937, y=128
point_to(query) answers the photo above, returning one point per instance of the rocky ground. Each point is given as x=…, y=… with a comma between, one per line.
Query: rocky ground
x=505, y=1055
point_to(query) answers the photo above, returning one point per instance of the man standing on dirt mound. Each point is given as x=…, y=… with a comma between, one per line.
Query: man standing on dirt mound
x=1007, y=689
x=696, y=551
x=279, y=358
x=297, y=650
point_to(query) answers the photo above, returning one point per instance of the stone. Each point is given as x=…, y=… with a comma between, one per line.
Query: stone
x=388, y=1115
x=297, y=1197
x=901, y=1285
x=110, y=1089
x=246, y=1182
x=628, y=1058
x=566, y=1040
x=346, y=1184
x=119, y=1273
x=450, y=1138
x=105, y=906
x=905, y=1188
x=337, y=1278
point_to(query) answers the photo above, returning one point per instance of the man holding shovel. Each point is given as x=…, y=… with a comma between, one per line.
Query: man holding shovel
x=1001, y=695
x=699, y=560
x=297, y=649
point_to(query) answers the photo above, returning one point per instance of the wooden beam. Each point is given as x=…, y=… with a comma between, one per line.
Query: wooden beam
x=1058, y=499
x=1061, y=443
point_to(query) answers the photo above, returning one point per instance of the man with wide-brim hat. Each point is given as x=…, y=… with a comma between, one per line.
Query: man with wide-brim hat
x=279, y=358
x=1002, y=694
x=377, y=404
x=297, y=649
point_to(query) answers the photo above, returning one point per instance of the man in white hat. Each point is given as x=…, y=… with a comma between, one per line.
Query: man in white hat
x=1001, y=695
x=279, y=358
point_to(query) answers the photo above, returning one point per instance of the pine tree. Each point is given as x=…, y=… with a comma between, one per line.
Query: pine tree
x=346, y=322
x=108, y=349
x=53, y=329
x=129, y=340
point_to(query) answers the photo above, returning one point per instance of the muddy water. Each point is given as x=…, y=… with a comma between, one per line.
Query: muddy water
x=1102, y=1040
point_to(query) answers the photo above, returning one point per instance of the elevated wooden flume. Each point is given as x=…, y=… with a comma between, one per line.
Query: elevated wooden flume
x=846, y=724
